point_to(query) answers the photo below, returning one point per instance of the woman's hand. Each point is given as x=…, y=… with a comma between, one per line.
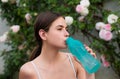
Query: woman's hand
x=90, y=76
x=90, y=51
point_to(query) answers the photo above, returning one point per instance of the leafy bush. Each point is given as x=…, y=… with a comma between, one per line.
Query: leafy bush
x=23, y=41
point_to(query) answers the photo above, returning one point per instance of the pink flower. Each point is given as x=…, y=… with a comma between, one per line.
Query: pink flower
x=79, y=8
x=104, y=61
x=82, y=10
x=28, y=17
x=105, y=35
x=81, y=18
x=107, y=27
x=15, y=28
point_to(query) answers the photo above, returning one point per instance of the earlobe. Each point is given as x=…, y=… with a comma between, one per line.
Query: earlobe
x=42, y=34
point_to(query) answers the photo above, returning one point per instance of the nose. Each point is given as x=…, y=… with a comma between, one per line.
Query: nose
x=66, y=33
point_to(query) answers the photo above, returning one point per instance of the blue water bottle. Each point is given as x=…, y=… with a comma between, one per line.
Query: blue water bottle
x=77, y=48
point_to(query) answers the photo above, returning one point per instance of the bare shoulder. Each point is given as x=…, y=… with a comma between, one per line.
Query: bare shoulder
x=26, y=67
x=81, y=74
x=74, y=60
x=26, y=71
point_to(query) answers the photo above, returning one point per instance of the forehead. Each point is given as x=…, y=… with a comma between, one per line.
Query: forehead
x=59, y=21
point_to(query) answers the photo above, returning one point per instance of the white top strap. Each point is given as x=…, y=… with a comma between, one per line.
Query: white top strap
x=72, y=65
x=39, y=77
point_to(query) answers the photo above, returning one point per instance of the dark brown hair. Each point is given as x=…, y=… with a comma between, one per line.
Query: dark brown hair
x=43, y=21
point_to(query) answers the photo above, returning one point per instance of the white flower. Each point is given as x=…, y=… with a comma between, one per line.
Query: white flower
x=69, y=20
x=85, y=3
x=15, y=28
x=112, y=18
x=28, y=17
x=4, y=1
x=3, y=37
x=99, y=25
x=84, y=11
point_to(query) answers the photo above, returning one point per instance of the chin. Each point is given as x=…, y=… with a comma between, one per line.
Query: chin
x=64, y=47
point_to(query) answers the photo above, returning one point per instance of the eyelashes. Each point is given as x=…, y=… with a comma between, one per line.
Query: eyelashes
x=62, y=29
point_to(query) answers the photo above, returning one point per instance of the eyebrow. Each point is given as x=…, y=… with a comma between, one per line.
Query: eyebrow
x=61, y=26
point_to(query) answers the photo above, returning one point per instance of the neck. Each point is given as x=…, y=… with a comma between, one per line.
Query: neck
x=49, y=54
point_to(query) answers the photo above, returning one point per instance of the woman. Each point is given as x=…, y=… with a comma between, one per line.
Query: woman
x=47, y=62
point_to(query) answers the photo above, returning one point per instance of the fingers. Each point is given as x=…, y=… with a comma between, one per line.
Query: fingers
x=90, y=51
x=93, y=54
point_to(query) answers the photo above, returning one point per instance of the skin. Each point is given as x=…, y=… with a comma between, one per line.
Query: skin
x=51, y=63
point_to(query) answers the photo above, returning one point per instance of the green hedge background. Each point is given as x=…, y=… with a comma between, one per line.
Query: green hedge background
x=23, y=42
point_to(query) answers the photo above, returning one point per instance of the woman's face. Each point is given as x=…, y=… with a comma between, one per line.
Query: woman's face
x=57, y=33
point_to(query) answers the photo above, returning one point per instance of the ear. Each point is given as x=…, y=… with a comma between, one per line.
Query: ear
x=42, y=34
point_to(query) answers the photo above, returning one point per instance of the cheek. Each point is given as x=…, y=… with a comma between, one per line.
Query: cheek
x=56, y=41
x=52, y=37
x=55, y=37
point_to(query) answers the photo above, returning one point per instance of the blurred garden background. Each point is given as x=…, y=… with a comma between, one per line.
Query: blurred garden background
x=94, y=22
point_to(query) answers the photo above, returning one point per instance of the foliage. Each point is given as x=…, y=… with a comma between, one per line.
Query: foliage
x=23, y=42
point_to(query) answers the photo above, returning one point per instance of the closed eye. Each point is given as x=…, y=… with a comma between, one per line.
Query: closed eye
x=59, y=28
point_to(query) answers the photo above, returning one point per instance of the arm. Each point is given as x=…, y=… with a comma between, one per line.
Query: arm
x=23, y=74
x=90, y=76
x=81, y=74
x=81, y=69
